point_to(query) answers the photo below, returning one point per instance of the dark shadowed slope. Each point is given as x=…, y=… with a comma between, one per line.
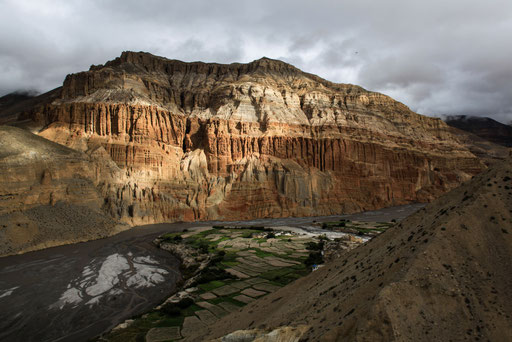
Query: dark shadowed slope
x=483, y=127
x=484, y=149
x=12, y=99
x=443, y=274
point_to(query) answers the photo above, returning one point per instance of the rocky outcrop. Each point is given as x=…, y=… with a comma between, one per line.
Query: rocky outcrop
x=197, y=141
x=48, y=194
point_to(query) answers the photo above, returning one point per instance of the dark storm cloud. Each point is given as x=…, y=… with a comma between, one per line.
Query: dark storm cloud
x=438, y=57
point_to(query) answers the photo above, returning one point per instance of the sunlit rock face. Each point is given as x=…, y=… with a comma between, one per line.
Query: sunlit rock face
x=198, y=141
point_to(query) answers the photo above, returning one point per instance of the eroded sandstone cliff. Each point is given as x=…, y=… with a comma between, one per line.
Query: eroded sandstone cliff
x=264, y=139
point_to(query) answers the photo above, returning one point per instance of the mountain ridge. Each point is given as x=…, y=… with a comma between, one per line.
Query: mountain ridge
x=484, y=127
x=264, y=64
x=195, y=141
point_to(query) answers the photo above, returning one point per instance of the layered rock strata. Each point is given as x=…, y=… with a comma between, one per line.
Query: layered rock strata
x=49, y=194
x=199, y=141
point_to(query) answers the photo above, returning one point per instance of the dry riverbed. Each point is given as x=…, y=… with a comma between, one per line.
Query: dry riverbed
x=76, y=292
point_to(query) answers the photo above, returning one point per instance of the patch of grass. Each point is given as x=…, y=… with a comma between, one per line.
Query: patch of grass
x=228, y=299
x=212, y=285
x=285, y=275
x=247, y=235
x=230, y=263
x=286, y=255
x=290, y=277
x=315, y=246
x=299, y=267
x=190, y=310
x=172, y=237
x=261, y=254
x=206, y=233
x=229, y=257
x=369, y=230
x=200, y=239
x=274, y=275
x=171, y=322
x=212, y=274
x=175, y=309
x=138, y=329
x=200, y=243
x=314, y=257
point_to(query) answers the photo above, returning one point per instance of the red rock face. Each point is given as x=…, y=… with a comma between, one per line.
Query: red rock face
x=208, y=141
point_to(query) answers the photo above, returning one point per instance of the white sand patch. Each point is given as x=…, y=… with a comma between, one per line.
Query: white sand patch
x=93, y=301
x=87, y=271
x=115, y=292
x=113, y=277
x=108, y=275
x=145, y=260
x=145, y=276
x=7, y=292
x=71, y=296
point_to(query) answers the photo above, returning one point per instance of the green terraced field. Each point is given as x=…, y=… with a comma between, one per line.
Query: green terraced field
x=244, y=260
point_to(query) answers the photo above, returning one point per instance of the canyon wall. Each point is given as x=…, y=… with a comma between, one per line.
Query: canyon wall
x=204, y=141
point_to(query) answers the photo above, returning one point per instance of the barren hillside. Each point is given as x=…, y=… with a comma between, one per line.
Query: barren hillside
x=443, y=274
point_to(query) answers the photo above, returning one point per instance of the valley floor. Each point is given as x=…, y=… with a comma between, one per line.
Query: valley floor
x=33, y=285
x=237, y=265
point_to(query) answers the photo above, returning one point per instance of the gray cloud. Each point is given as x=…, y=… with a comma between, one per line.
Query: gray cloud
x=438, y=57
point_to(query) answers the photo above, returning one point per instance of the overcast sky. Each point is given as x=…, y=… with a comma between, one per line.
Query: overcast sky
x=437, y=56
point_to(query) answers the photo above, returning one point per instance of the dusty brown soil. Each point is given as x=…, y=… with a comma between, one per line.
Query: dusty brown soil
x=53, y=225
x=48, y=195
x=38, y=279
x=443, y=274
